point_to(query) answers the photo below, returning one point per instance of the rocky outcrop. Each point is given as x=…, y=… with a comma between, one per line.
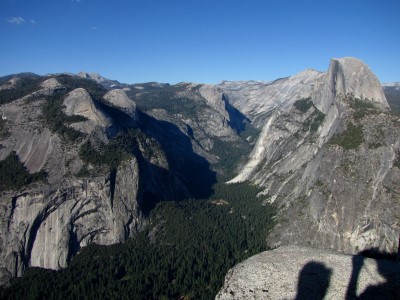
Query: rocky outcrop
x=327, y=196
x=26, y=135
x=258, y=100
x=120, y=99
x=80, y=103
x=214, y=119
x=304, y=273
x=347, y=76
x=47, y=225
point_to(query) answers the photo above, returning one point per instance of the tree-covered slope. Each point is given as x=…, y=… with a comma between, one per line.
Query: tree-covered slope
x=185, y=251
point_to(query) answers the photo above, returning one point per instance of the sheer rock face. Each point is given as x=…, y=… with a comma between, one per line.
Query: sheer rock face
x=46, y=226
x=330, y=196
x=348, y=76
x=215, y=119
x=293, y=272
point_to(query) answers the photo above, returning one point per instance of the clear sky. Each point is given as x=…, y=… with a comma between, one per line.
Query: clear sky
x=197, y=40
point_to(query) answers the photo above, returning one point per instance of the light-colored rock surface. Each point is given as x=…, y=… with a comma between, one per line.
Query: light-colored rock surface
x=257, y=100
x=120, y=99
x=214, y=97
x=107, y=83
x=347, y=76
x=80, y=103
x=215, y=119
x=47, y=225
x=311, y=181
x=304, y=273
x=51, y=83
x=27, y=136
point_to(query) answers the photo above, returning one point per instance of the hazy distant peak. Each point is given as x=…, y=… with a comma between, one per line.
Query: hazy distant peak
x=105, y=82
x=95, y=76
x=391, y=84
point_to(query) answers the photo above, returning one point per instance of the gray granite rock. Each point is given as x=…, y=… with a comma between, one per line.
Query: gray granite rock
x=329, y=196
x=294, y=272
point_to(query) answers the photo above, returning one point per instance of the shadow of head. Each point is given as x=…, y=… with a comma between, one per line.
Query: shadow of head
x=313, y=281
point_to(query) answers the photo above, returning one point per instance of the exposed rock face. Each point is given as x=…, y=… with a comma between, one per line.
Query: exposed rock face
x=327, y=195
x=304, y=273
x=46, y=223
x=215, y=118
x=45, y=228
x=120, y=99
x=80, y=103
x=258, y=100
x=27, y=136
x=348, y=76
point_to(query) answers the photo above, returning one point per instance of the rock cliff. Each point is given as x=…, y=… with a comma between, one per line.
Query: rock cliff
x=293, y=272
x=310, y=158
x=101, y=177
x=46, y=227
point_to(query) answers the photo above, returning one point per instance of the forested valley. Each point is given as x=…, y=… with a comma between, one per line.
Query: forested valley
x=184, y=252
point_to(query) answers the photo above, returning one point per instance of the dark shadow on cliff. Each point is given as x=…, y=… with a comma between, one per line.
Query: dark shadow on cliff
x=313, y=282
x=193, y=170
x=390, y=289
x=237, y=120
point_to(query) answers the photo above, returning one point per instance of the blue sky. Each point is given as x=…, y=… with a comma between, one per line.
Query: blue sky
x=199, y=41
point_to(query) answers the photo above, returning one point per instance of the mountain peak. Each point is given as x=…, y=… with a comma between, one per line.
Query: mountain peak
x=105, y=82
x=349, y=76
x=92, y=75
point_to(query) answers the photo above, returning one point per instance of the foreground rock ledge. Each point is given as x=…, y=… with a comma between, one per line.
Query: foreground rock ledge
x=294, y=272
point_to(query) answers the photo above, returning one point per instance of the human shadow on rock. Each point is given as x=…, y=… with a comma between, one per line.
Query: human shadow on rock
x=390, y=289
x=313, y=281
x=192, y=169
